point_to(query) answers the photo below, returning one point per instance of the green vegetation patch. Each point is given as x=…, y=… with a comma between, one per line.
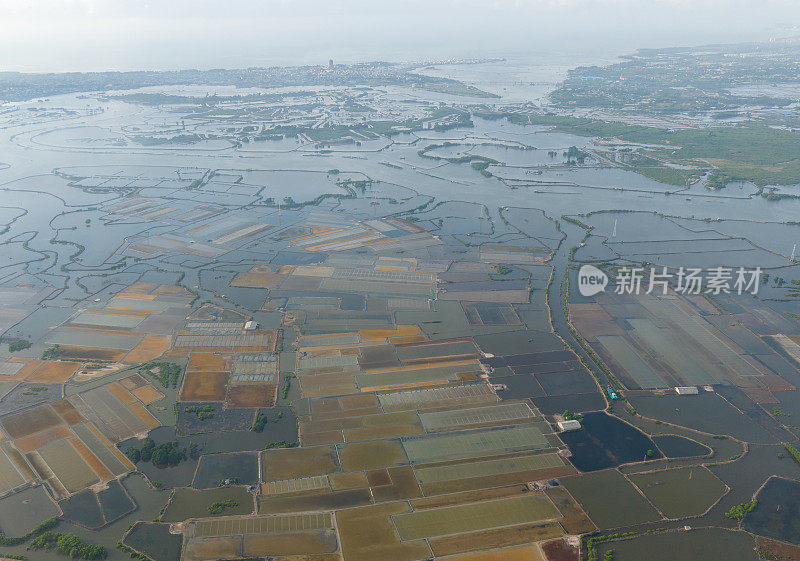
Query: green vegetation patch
x=52, y=353
x=37, y=531
x=203, y=412
x=752, y=152
x=69, y=545
x=19, y=345
x=168, y=454
x=167, y=373
x=219, y=507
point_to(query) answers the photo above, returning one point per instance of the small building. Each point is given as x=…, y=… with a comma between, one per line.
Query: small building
x=686, y=390
x=250, y=326
x=572, y=424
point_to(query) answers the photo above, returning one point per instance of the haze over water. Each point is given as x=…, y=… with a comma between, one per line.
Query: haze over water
x=94, y=35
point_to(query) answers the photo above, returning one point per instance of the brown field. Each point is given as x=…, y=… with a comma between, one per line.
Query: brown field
x=410, y=339
x=139, y=290
x=451, y=499
x=212, y=548
x=378, y=477
x=327, y=351
x=421, y=365
x=68, y=412
x=30, y=366
x=575, y=520
x=289, y=463
x=355, y=480
x=475, y=483
x=116, y=451
x=133, y=381
x=311, y=557
x=335, y=500
x=93, y=461
x=118, y=309
x=372, y=455
x=367, y=534
x=322, y=438
x=208, y=362
x=557, y=550
x=147, y=394
x=391, y=431
x=327, y=425
x=402, y=485
x=34, y=442
x=30, y=421
x=91, y=353
x=251, y=396
x=387, y=419
x=54, y=372
x=518, y=553
x=204, y=386
x=347, y=406
x=121, y=393
x=498, y=537
x=324, y=385
x=258, y=277
x=399, y=331
x=772, y=549
x=144, y=415
x=150, y=348
x=291, y=543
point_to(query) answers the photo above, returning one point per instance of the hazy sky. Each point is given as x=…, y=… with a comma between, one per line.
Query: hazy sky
x=62, y=35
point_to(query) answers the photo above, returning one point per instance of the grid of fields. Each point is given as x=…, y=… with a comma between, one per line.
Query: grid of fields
x=666, y=341
x=241, y=340
x=458, y=395
x=473, y=444
x=262, y=525
x=475, y=416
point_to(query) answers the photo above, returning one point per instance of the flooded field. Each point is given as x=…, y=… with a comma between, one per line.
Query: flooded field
x=700, y=544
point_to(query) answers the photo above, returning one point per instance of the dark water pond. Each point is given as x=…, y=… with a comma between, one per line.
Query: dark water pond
x=777, y=512
x=674, y=446
x=605, y=441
